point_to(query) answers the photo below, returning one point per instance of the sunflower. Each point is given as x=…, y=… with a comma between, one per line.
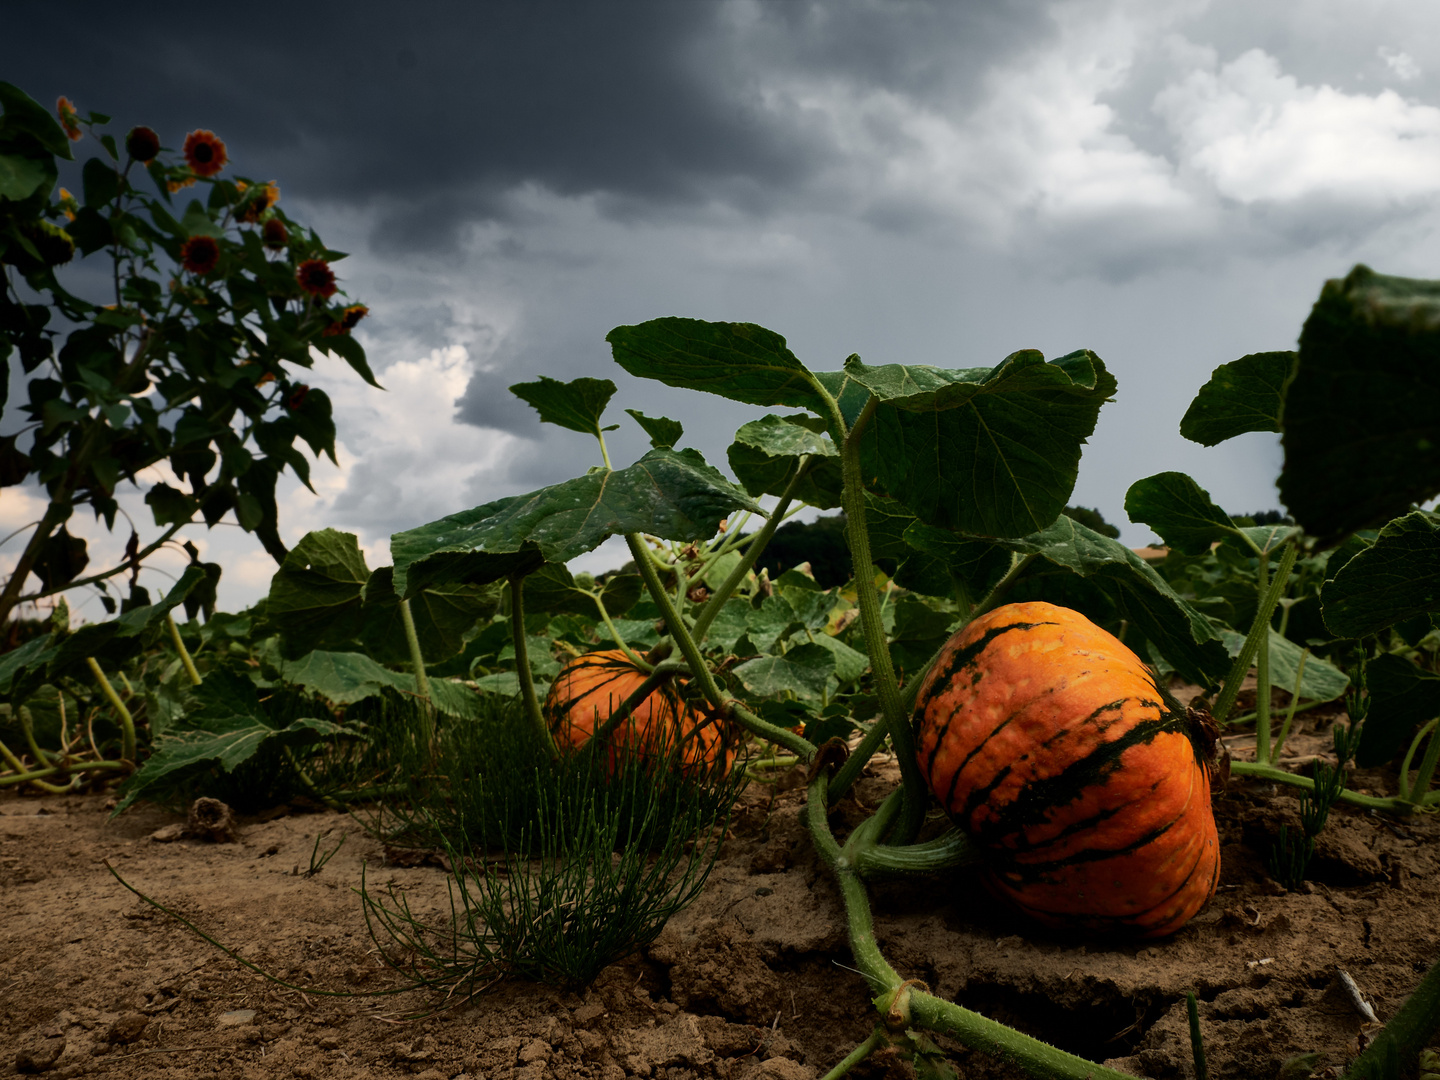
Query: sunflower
x=204, y=153
x=68, y=206
x=142, y=144
x=266, y=197
x=69, y=119
x=274, y=234
x=348, y=320
x=200, y=254
x=316, y=278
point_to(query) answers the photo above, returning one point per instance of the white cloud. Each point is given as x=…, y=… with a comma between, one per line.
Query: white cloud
x=1258, y=135
x=1401, y=63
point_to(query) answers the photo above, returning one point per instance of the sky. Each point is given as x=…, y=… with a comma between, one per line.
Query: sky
x=1166, y=182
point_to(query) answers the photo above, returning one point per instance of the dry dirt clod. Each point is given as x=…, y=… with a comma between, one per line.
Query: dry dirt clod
x=211, y=819
x=38, y=1054
x=126, y=1028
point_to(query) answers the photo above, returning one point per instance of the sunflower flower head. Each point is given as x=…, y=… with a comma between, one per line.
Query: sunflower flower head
x=68, y=206
x=200, y=254
x=348, y=320
x=69, y=119
x=255, y=207
x=142, y=144
x=274, y=234
x=316, y=278
x=204, y=153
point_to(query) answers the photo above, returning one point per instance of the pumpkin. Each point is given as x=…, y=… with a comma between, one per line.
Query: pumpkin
x=591, y=687
x=1085, y=786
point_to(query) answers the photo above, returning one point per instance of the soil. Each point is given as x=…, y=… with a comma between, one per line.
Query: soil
x=749, y=982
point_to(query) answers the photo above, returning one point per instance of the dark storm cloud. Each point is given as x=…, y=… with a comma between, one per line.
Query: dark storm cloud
x=431, y=113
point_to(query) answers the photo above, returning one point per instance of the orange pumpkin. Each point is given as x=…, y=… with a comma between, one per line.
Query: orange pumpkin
x=593, y=686
x=1051, y=745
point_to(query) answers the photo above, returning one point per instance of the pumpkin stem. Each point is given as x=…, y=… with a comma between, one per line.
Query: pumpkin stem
x=522, y=667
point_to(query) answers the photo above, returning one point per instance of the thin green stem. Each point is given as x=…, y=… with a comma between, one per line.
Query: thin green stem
x=522, y=667
x=1280, y=776
x=185, y=657
x=757, y=545
x=1262, y=673
x=1259, y=631
x=1197, y=1044
x=798, y=745
x=876, y=1040
x=127, y=722
x=1038, y=1059
x=417, y=658
x=1416, y=792
x=675, y=624
x=630, y=654
x=850, y=771
x=881, y=668
x=1290, y=712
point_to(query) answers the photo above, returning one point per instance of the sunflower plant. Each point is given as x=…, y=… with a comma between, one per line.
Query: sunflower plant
x=213, y=298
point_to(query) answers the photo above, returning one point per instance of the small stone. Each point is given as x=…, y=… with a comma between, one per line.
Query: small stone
x=169, y=834
x=126, y=1028
x=236, y=1018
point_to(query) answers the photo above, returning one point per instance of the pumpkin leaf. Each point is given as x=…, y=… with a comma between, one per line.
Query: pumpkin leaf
x=552, y=589
x=1394, y=579
x=990, y=453
x=576, y=405
x=1402, y=697
x=667, y=493
x=1180, y=631
x=1242, y=396
x=1180, y=510
x=767, y=451
x=1323, y=681
x=663, y=431
x=443, y=616
x=348, y=677
x=315, y=598
x=803, y=671
x=1362, y=434
x=739, y=361
x=966, y=568
x=116, y=641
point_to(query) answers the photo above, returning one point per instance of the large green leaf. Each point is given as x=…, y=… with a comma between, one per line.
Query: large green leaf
x=20, y=176
x=315, y=597
x=1396, y=578
x=934, y=562
x=803, y=671
x=739, y=361
x=348, y=677
x=442, y=615
x=1183, y=634
x=24, y=113
x=991, y=453
x=1242, y=396
x=668, y=493
x=1180, y=510
x=576, y=405
x=1322, y=680
x=1402, y=697
x=767, y=451
x=228, y=726
x=1362, y=431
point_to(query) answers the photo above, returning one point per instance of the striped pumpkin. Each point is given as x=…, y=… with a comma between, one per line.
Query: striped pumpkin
x=593, y=686
x=1050, y=744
